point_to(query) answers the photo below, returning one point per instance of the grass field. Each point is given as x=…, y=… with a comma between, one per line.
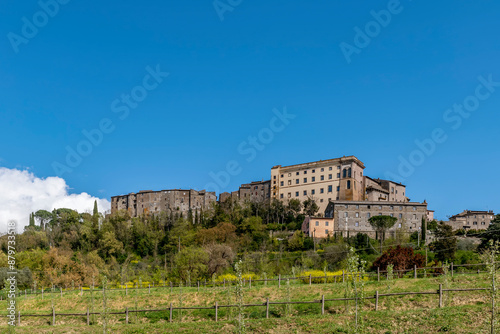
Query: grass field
x=463, y=312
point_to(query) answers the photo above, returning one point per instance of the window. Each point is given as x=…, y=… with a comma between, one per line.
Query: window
x=305, y=180
x=349, y=184
x=326, y=223
x=321, y=200
x=282, y=183
x=329, y=176
x=274, y=177
x=392, y=207
x=414, y=216
x=338, y=188
x=357, y=206
x=322, y=177
x=368, y=215
x=392, y=214
x=296, y=194
x=483, y=223
x=305, y=172
x=289, y=174
x=330, y=168
x=326, y=231
x=322, y=169
x=313, y=179
x=329, y=189
x=297, y=173
x=399, y=225
x=313, y=171
x=282, y=176
x=317, y=223
x=349, y=172
x=344, y=173
x=313, y=192
x=400, y=208
x=289, y=182
x=289, y=195
x=357, y=224
x=346, y=214
x=296, y=181
x=322, y=190
x=347, y=206
x=281, y=196
x=380, y=207
x=414, y=208
x=338, y=175
x=475, y=223
x=400, y=215
x=392, y=190
x=305, y=192
x=357, y=214
x=380, y=214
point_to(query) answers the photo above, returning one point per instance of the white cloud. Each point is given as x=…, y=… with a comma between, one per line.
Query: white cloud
x=22, y=193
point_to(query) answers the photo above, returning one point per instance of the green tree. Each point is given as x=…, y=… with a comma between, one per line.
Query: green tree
x=310, y=207
x=492, y=233
x=296, y=242
x=96, y=211
x=381, y=224
x=446, y=245
x=191, y=262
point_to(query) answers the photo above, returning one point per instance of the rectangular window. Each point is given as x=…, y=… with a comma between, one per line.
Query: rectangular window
x=400, y=215
x=338, y=175
x=330, y=189
x=282, y=183
x=305, y=172
x=349, y=184
x=326, y=223
x=338, y=188
x=357, y=214
x=305, y=192
x=289, y=182
x=296, y=194
x=414, y=216
x=305, y=180
x=357, y=224
x=297, y=173
x=322, y=177
x=326, y=231
x=321, y=200
x=330, y=176
x=392, y=214
x=317, y=223
x=313, y=192
x=313, y=171
x=368, y=215
x=296, y=181
x=346, y=214
x=330, y=168
x=322, y=169
x=313, y=179
x=281, y=196
x=399, y=225
x=322, y=190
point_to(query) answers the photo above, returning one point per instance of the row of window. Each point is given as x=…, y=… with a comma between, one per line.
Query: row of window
x=313, y=192
x=368, y=215
x=391, y=207
x=347, y=172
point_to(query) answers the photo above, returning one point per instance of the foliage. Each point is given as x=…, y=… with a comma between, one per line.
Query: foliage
x=402, y=258
x=446, y=245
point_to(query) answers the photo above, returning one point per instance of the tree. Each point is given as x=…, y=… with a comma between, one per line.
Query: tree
x=492, y=233
x=296, y=242
x=446, y=245
x=96, y=211
x=44, y=216
x=191, y=262
x=381, y=224
x=220, y=258
x=402, y=258
x=310, y=207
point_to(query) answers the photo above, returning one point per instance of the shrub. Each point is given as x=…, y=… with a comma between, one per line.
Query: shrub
x=403, y=258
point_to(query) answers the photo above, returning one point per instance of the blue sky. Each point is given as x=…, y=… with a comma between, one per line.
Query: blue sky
x=227, y=76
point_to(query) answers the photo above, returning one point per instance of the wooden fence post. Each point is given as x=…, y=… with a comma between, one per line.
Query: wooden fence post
x=216, y=311
x=53, y=316
x=343, y=276
x=81, y=290
x=414, y=271
x=310, y=279
x=322, y=304
x=170, y=318
x=126, y=315
x=42, y=292
x=60, y=289
x=452, y=270
x=170, y=287
x=279, y=281
x=198, y=286
x=18, y=318
x=267, y=308
x=149, y=288
x=376, y=300
x=378, y=274
x=440, y=295
x=250, y=282
x=88, y=317
x=126, y=289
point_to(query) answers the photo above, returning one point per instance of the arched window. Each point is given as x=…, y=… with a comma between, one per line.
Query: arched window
x=349, y=172
x=344, y=173
x=349, y=184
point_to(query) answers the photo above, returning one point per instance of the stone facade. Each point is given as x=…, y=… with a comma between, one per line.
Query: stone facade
x=318, y=227
x=339, y=179
x=257, y=191
x=469, y=219
x=351, y=217
x=170, y=201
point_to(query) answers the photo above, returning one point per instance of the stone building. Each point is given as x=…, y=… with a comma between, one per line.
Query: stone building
x=470, y=219
x=257, y=191
x=340, y=179
x=318, y=227
x=170, y=201
x=351, y=217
